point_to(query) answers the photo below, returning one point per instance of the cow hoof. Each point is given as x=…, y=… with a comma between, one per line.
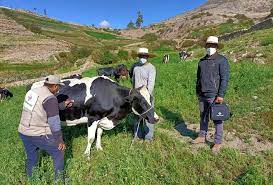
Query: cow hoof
x=99, y=148
x=87, y=153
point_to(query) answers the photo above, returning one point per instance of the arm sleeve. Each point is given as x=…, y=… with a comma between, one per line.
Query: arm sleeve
x=51, y=107
x=224, y=78
x=151, y=80
x=198, y=85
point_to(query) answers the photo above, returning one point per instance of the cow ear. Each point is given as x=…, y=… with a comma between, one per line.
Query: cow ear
x=138, y=89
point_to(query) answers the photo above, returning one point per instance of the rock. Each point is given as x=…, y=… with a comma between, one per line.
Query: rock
x=255, y=97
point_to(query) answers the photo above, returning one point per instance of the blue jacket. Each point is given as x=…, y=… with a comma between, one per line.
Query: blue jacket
x=212, y=76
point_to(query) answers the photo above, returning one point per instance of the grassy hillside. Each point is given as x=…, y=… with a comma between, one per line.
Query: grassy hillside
x=247, y=155
x=168, y=159
x=55, y=46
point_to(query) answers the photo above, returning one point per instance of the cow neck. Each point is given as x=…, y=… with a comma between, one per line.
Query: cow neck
x=124, y=92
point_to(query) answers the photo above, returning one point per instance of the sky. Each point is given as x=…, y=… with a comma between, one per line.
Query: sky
x=113, y=13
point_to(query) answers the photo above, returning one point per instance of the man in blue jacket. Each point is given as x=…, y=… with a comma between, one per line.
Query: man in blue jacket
x=211, y=84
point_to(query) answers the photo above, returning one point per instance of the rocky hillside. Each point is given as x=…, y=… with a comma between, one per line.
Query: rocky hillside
x=19, y=44
x=211, y=13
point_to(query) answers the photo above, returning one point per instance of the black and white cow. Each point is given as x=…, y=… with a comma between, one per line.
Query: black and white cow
x=166, y=58
x=5, y=93
x=101, y=103
x=183, y=55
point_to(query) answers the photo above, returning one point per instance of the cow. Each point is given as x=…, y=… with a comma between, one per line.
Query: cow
x=5, y=93
x=166, y=58
x=77, y=76
x=40, y=83
x=117, y=72
x=101, y=103
x=183, y=55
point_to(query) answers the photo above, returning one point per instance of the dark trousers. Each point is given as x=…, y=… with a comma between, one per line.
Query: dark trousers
x=204, y=104
x=33, y=144
x=145, y=130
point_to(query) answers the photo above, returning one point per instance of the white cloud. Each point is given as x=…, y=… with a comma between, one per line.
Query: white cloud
x=104, y=24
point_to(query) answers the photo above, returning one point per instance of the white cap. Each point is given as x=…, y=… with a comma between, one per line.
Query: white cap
x=212, y=40
x=144, y=51
x=53, y=79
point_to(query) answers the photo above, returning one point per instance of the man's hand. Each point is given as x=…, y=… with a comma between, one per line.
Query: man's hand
x=219, y=99
x=61, y=146
x=68, y=103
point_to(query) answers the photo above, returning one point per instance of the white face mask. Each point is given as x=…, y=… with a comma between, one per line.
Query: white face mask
x=143, y=60
x=211, y=51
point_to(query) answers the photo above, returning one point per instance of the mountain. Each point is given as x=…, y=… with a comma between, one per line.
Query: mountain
x=213, y=12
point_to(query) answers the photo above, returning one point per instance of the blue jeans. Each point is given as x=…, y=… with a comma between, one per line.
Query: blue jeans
x=33, y=144
x=204, y=104
x=145, y=130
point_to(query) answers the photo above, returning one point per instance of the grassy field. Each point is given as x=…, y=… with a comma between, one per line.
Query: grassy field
x=167, y=160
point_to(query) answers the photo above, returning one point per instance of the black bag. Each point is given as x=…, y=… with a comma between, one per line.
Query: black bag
x=219, y=112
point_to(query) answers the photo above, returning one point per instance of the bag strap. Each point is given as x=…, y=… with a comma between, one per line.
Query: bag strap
x=208, y=109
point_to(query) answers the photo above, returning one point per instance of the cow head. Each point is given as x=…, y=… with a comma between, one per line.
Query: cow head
x=142, y=104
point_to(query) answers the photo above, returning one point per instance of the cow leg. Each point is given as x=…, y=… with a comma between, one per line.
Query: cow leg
x=91, y=137
x=98, y=142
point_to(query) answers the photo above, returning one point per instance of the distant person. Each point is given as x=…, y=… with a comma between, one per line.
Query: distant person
x=40, y=126
x=143, y=73
x=211, y=85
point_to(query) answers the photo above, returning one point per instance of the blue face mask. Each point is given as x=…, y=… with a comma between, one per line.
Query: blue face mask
x=143, y=60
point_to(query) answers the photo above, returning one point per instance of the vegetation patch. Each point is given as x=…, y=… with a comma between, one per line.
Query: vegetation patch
x=100, y=35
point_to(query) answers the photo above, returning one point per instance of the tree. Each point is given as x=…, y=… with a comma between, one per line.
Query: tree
x=45, y=12
x=131, y=25
x=139, y=20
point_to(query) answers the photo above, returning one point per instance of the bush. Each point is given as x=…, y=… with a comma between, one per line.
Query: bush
x=133, y=54
x=123, y=55
x=150, y=37
x=230, y=21
x=267, y=41
x=241, y=17
x=34, y=28
x=108, y=58
x=69, y=58
x=188, y=43
x=103, y=57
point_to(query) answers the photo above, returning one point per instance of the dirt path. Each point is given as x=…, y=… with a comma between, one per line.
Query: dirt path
x=133, y=45
x=186, y=132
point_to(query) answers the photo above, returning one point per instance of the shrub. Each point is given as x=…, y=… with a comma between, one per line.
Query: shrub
x=267, y=41
x=123, y=55
x=150, y=37
x=133, y=54
x=34, y=28
x=69, y=58
x=230, y=21
x=188, y=43
x=103, y=57
x=241, y=17
x=108, y=58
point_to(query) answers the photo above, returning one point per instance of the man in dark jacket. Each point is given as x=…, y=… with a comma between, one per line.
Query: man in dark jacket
x=211, y=85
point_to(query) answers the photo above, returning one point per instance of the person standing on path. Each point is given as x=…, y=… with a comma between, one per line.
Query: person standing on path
x=211, y=85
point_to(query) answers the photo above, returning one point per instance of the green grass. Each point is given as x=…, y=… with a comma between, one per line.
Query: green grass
x=166, y=160
x=24, y=67
x=101, y=35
